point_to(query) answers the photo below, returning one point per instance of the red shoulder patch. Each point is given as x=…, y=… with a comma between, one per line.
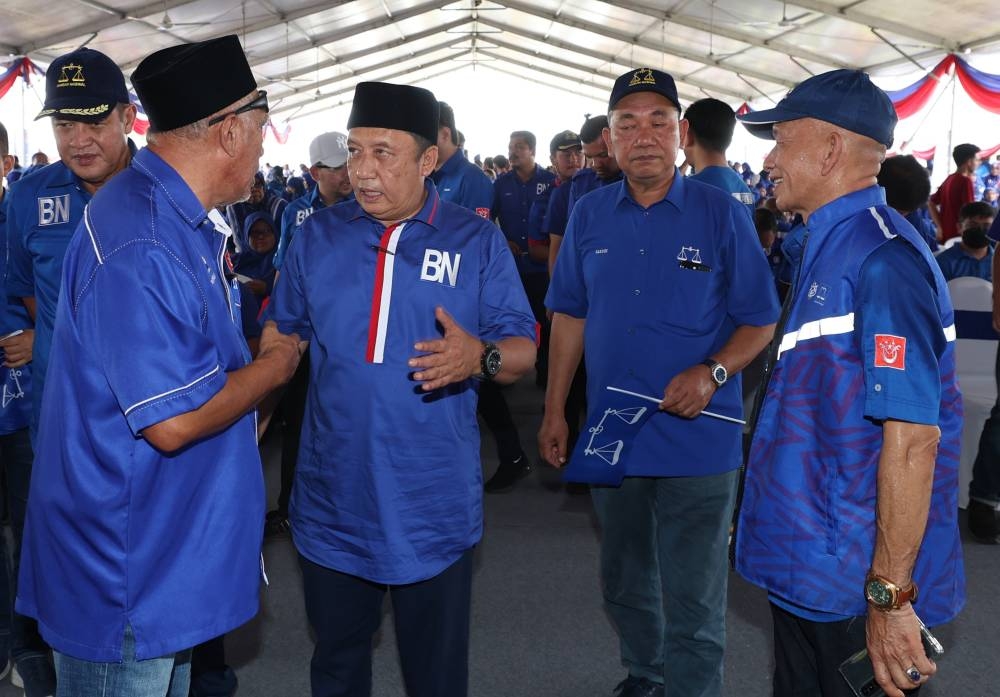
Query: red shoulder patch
x=483, y=213
x=890, y=351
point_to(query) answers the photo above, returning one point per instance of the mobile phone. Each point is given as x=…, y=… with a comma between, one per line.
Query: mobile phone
x=860, y=676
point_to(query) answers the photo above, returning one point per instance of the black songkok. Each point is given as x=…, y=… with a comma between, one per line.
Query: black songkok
x=399, y=107
x=184, y=84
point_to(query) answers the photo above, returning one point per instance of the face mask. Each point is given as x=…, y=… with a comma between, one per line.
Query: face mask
x=974, y=237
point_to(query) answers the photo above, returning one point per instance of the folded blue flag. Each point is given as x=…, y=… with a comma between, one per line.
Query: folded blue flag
x=602, y=448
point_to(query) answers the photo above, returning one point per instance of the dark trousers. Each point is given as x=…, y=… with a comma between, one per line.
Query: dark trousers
x=18, y=632
x=293, y=405
x=576, y=406
x=210, y=676
x=985, y=484
x=496, y=415
x=432, y=630
x=807, y=655
x=536, y=285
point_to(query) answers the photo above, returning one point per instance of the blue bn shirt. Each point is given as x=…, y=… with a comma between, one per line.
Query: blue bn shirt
x=663, y=288
x=146, y=330
x=369, y=427
x=869, y=337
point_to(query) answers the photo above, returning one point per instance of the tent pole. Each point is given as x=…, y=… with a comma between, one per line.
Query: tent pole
x=24, y=128
x=929, y=111
x=951, y=124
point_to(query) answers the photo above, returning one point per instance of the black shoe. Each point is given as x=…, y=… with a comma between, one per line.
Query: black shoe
x=36, y=675
x=984, y=522
x=507, y=475
x=276, y=523
x=638, y=687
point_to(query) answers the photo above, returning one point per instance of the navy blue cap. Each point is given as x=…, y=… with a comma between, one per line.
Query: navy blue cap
x=845, y=98
x=565, y=140
x=84, y=85
x=644, y=80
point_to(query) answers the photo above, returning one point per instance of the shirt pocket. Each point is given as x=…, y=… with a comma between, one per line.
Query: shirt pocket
x=688, y=290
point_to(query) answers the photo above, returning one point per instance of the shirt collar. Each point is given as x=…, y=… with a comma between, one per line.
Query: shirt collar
x=450, y=166
x=674, y=196
x=427, y=214
x=314, y=198
x=827, y=216
x=177, y=192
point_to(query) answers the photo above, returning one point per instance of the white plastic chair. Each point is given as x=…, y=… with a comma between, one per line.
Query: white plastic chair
x=975, y=360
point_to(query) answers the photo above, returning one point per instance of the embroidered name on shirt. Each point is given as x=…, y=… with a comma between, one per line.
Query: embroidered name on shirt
x=440, y=267
x=53, y=210
x=817, y=293
x=890, y=351
x=601, y=251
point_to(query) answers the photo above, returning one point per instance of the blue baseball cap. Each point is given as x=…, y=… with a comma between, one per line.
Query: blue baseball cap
x=845, y=98
x=84, y=85
x=644, y=80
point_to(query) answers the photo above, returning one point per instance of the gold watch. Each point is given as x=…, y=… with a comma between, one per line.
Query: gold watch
x=882, y=594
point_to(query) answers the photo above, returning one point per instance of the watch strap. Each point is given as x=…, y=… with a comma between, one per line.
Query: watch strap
x=900, y=596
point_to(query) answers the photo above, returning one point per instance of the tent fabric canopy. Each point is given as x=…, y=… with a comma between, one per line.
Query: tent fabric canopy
x=309, y=55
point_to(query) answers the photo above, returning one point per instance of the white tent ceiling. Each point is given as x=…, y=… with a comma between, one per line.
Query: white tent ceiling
x=310, y=55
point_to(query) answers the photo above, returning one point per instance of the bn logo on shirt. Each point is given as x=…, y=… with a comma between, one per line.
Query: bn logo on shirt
x=53, y=210
x=440, y=267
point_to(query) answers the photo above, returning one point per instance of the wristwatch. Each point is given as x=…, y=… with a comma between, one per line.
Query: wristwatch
x=491, y=361
x=719, y=373
x=882, y=594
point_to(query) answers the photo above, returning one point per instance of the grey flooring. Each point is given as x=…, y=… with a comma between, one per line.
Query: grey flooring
x=538, y=629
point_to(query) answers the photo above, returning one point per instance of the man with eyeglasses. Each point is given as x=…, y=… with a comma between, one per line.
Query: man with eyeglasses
x=153, y=393
x=86, y=98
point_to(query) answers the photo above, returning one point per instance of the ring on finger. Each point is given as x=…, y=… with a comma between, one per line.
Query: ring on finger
x=913, y=674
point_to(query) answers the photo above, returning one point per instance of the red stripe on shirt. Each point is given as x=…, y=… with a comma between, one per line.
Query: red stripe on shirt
x=434, y=208
x=377, y=295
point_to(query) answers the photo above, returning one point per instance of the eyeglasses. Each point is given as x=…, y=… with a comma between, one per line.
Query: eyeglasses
x=259, y=103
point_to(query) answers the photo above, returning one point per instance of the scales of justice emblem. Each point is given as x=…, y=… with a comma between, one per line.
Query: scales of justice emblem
x=610, y=451
x=18, y=393
x=695, y=257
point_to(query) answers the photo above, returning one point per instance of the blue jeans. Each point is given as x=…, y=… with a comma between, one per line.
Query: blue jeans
x=168, y=676
x=664, y=574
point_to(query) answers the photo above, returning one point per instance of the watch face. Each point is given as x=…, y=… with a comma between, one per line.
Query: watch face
x=719, y=374
x=491, y=362
x=878, y=593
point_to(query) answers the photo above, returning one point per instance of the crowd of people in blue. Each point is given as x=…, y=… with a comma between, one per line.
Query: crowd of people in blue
x=162, y=303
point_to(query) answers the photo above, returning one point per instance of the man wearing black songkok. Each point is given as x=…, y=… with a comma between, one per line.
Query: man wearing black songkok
x=406, y=299
x=153, y=396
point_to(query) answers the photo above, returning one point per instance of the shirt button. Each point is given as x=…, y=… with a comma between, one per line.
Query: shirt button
x=636, y=291
x=642, y=251
x=630, y=330
x=878, y=388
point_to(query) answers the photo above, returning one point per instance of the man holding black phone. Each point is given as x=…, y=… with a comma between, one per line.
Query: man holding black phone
x=852, y=482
